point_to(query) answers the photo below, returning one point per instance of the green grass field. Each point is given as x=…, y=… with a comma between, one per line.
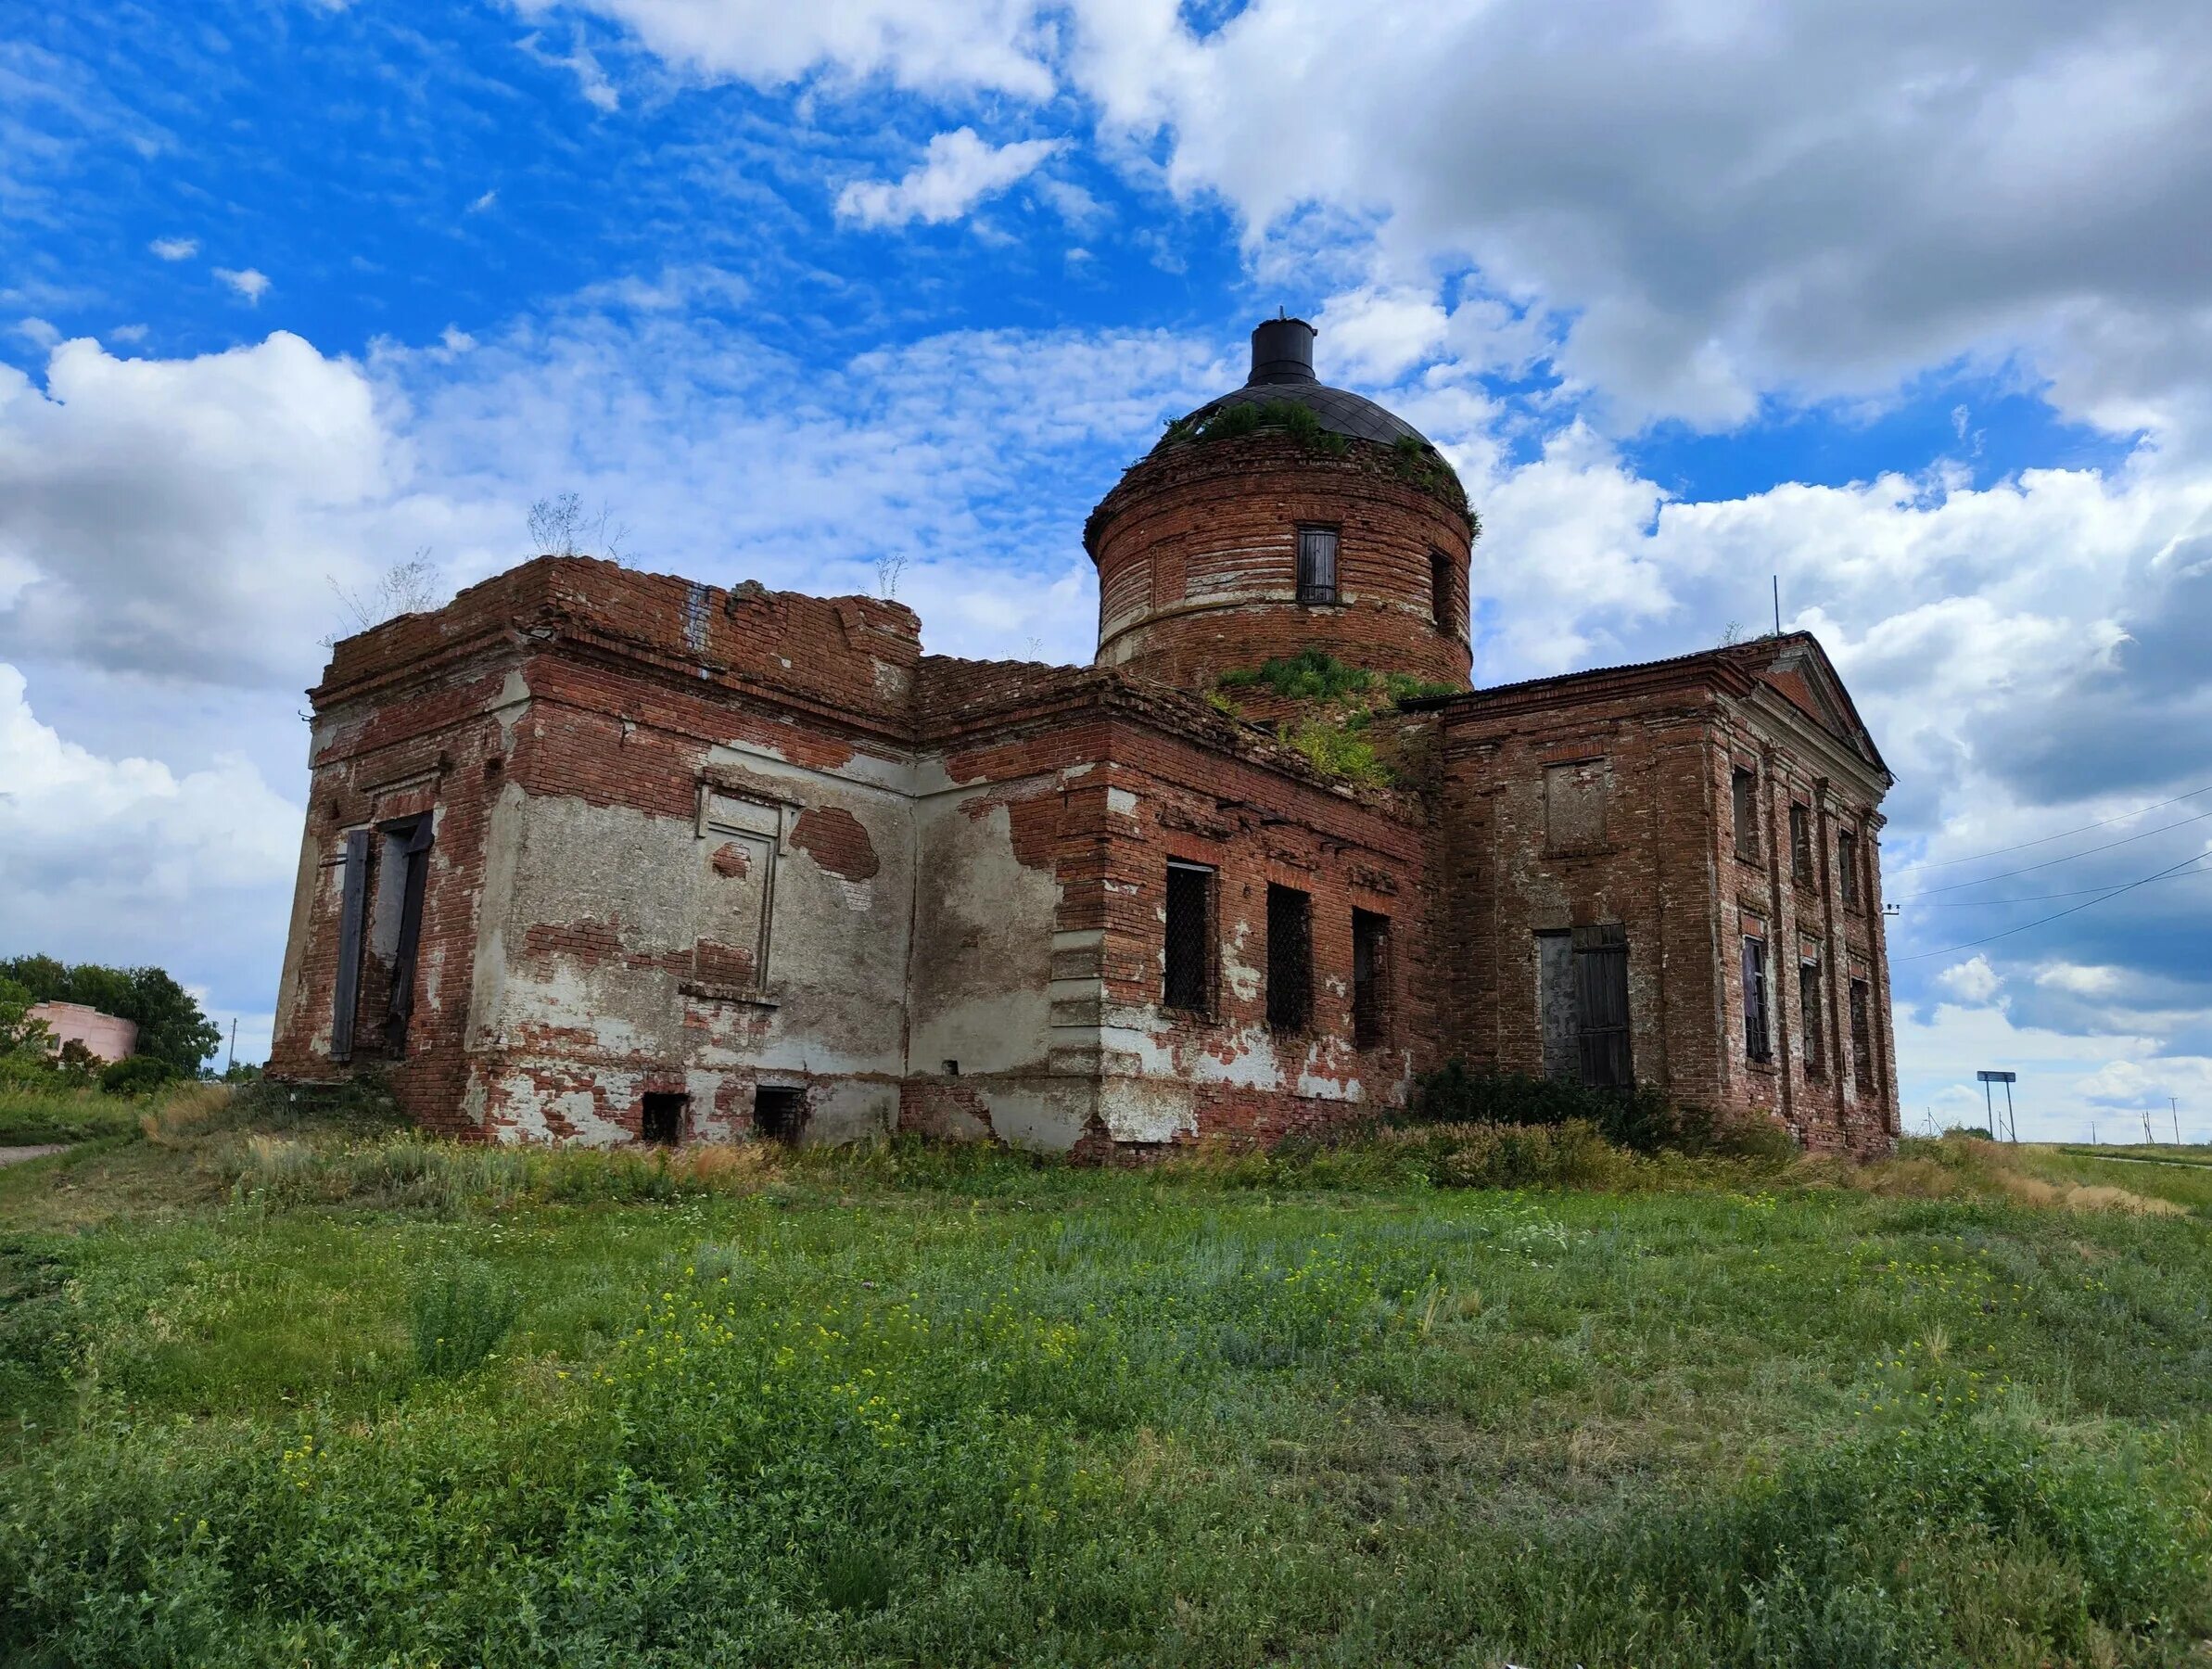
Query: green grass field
x=353, y=1398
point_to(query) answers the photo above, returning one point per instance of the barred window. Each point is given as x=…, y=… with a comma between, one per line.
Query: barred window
x=1290, y=958
x=1812, y=1023
x=1370, y=978
x=1190, y=939
x=1316, y=564
x=1758, y=1044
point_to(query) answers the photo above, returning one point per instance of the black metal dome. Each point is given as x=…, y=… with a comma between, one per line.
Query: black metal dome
x=1282, y=368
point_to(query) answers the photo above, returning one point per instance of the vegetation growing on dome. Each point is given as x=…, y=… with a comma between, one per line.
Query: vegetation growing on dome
x=1414, y=460
x=1248, y=417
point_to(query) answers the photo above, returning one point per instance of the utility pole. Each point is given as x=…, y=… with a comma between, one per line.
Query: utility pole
x=2148, y=1139
x=2173, y=1103
x=2092, y=1132
x=234, y=1056
x=1777, y=604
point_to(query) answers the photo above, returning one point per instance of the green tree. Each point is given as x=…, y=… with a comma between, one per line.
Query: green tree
x=20, y=1034
x=171, y=1026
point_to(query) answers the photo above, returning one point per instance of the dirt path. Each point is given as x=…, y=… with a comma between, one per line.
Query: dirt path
x=17, y=1155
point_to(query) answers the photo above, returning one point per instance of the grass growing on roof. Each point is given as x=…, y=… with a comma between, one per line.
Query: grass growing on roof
x=913, y=1404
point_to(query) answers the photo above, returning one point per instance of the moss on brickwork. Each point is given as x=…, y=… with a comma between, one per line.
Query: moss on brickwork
x=1336, y=707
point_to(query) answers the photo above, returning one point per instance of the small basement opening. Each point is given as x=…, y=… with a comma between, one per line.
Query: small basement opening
x=663, y=1122
x=779, y=1113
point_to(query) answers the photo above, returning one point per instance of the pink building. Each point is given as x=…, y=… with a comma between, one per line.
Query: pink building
x=106, y=1035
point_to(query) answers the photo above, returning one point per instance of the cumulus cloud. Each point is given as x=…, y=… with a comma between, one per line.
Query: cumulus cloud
x=956, y=172
x=124, y=859
x=250, y=283
x=1972, y=981
x=1720, y=205
x=175, y=249
x=159, y=505
x=987, y=45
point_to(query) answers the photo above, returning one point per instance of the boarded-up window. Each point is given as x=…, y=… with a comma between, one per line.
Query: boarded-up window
x=1189, y=938
x=1574, y=805
x=345, y=994
x=737, y=890
x=1846, y=866
x=1744, y=784
x=1316, y=564
x=1290, y=958
x=403, y=872
x=1812, y=1022
x=1758, y=1043
x=1581, y=993
x=1862, y=1065
x=1370, y=978
x=1601, y=1000
x=1800, y=843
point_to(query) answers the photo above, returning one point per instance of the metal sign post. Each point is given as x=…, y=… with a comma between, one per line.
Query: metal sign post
x=2012, y=1120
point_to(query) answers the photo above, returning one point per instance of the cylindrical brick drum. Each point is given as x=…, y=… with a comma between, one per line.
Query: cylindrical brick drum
x=1285, y=516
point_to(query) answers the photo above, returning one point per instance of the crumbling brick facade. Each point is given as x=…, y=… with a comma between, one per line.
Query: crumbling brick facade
x=597, y=856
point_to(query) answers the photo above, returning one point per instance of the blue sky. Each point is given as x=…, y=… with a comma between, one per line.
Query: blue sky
x=1906, y=305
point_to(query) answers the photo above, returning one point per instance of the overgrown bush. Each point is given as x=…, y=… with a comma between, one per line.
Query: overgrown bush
x=1644, y=1119
x=137, y=1074
x=457, y=1317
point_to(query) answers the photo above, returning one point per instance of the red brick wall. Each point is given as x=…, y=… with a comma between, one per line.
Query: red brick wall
x=1668, y=871
x=1196, y=552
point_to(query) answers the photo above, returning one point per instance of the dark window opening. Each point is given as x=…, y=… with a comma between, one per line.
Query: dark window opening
x=779, y=1113
x=663, y=1119
x=1800, y=843
x=353, y=912
x=1370, y=978
x=1290, y=958
x=1746, y=785
x=1440, y=589
x=1758, y=1044
x=1601, y=1006
x=1846, y=866
x=1190, y=939
x=407, y=844
x=1316, y=564
x=1811, y=1021
x=1863, y=1036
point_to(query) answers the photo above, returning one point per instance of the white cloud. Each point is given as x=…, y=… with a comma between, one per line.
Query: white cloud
x=1723, y=201
x=247, y=282
x=478, y=205
x=127, y=860
x=175, y=249
x=983, y=45
x=1376, y=333
x=161, y=505
x=957, y=171
x=1973, y=981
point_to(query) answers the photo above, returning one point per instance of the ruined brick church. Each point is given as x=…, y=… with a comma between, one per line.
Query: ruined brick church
x=598, y=856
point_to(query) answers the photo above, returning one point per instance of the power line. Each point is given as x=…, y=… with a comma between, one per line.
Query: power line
x=2080, y=892
x=2047, y=839
x=1928, y=892
x=2073, y=910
